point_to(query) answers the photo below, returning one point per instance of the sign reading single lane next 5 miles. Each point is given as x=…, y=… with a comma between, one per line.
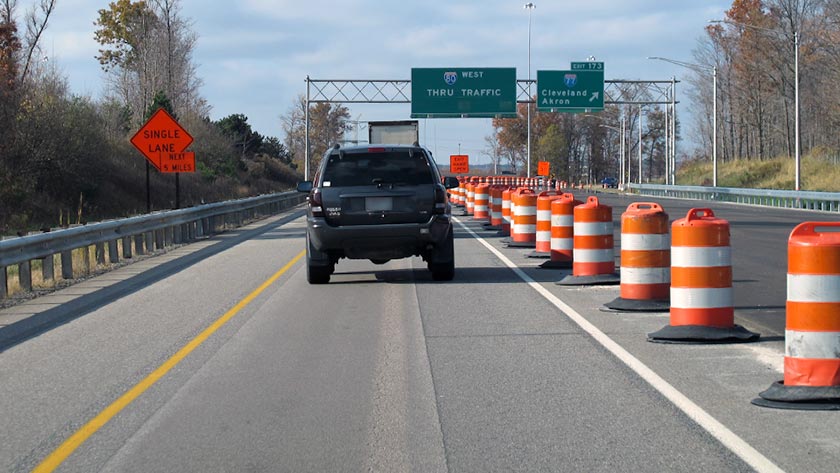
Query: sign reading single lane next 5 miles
x=570, y=91
x=463, y=92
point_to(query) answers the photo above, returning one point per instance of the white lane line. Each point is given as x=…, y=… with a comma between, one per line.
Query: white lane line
x=719, y=431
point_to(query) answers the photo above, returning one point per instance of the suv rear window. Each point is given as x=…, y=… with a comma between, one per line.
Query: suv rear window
x=389, y=167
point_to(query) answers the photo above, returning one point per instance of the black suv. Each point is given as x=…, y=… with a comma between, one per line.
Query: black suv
x=378, y=202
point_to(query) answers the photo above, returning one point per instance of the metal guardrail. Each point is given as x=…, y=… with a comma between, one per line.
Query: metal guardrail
x=147, y=233
x=824, y=201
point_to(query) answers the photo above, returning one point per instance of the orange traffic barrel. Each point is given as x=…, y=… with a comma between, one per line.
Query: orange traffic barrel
x=470, y=204
x=562, y=232
x=462, y=191
x=645, y=259
x=812, y=323
x=507, y=218
x=523, y=231
x=496, y=207
x=543, y=237
x=593, y=261
x=701, y=283
x=481, y=207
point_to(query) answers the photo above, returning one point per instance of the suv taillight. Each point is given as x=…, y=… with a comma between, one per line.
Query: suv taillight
x=315, y=203
x=441, y=201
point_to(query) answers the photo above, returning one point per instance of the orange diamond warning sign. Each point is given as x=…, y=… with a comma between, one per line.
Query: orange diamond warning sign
x=163, y=141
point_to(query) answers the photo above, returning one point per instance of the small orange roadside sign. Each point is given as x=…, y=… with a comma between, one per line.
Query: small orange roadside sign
x=542, y=168
x=459, y=163
x=178, y=162
x=161, y=137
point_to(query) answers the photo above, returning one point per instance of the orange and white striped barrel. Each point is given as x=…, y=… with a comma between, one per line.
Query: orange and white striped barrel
x=543, y=236
x=481, y=207
x=645, y=252
x=563, y=227
x=524, y=228
x=593, y=239
x=462, y=192
x=812, y=327
x=470, y=205
x=496, y=205
x=507, y=218
x=701, y=271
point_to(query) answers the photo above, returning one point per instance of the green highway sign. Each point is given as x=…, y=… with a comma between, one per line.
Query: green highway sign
x=570, y=91
x=588, y=66
x=461, y=92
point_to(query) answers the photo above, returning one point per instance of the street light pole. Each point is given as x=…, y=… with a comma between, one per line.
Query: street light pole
x=530, y=7
x=702, y=68
x=797, y=156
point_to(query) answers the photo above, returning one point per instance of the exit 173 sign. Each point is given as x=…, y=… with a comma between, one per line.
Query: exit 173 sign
x=463, y=92
x=574, y=90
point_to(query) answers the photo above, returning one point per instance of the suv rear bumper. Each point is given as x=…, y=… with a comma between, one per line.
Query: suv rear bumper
x=387, y=241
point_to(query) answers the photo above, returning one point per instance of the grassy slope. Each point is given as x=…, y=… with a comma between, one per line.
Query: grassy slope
x=817, y=173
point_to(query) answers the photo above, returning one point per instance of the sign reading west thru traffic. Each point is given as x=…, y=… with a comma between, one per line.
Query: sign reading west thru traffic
x=163, y=142
x=458, y=92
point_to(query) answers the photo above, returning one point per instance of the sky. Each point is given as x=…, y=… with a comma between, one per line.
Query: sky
x=254, y=55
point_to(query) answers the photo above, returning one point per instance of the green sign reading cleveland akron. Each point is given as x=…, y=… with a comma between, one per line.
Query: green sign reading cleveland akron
x=570, y=91
x=462, y=92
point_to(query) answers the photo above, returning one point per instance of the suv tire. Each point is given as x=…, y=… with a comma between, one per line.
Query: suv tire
x=443, y=270
x=316, y=273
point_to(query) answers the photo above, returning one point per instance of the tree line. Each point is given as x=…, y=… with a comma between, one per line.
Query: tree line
x=584, y=147
x=753, y=50
x=67, y=159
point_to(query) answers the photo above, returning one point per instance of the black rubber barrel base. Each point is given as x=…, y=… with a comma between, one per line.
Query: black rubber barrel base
x=701, y=334
x=596, y=280
x=638, y=305
x=521, y=244
x=556, y=265
x=539, y=254
x=801, y=398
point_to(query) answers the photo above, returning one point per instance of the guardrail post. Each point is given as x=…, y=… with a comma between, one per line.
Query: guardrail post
x=113, y=254
x=86, y=259
x=138, y=244
x=176, y=235
x=159, y=239
x=190, y=231
x=168, y=236
x=67, y=264
x=126, y=244
x=100, y=254
x=150, y=241
x=25, y=276
x=4, y=291
x=48, y=269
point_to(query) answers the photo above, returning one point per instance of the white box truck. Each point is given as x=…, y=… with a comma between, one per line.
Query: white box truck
x=404, y=132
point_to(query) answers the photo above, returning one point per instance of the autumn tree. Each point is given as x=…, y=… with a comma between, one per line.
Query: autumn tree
x=327, y=124
x=147, y=47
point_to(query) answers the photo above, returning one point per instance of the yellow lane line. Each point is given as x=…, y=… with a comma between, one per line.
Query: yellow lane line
x=80, y=436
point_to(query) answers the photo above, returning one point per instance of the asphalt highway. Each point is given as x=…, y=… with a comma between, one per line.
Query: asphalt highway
x=220, y=357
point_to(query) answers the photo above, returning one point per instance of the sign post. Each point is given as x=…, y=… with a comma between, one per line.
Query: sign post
x=463, y=92
x=163, y=141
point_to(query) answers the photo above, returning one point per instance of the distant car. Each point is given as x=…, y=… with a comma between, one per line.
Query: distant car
x=609, y=182
x=378, y=202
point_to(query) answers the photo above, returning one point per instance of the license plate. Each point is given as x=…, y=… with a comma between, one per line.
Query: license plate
x=378, y=204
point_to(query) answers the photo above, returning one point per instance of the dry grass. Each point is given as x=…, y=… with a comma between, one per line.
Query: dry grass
x=819, y=172
x=82, y=268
